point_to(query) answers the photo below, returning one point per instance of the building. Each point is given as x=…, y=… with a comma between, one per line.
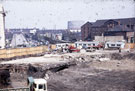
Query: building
x=33, y=31
x=75, y=26
x=19, y=40
x=74, y=29
x=85, y=30
x=2, y=27
x=108, y=27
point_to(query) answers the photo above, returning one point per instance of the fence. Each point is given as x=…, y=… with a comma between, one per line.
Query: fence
x=10, y=53
x=15, y=89
x=129, y=46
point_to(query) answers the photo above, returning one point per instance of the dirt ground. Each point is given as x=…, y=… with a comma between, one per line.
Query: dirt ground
x=87, y=77
x=95, y=71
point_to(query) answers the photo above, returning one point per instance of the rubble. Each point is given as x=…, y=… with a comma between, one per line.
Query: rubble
x=116, y=56
x=129, y=56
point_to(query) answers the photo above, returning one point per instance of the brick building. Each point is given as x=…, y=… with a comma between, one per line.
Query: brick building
x=109, y=27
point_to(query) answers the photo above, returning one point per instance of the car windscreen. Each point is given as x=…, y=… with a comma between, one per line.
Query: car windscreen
x=40, y=86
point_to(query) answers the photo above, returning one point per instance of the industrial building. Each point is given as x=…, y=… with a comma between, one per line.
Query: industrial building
x=109, y=27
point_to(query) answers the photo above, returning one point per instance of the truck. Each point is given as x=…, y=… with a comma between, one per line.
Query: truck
x=73, y=49
x=37, y=84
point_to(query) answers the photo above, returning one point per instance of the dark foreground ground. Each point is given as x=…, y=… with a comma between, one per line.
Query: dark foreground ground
x=85, y=78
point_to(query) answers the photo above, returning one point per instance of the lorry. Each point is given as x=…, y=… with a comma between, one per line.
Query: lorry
x=37, y=84
x=73, y=49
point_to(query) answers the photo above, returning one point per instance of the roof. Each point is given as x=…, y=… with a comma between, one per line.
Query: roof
x=87, y=42
x=40, y=81
x=122, y=21
x=120, y=28
x=118, y=42
x=126, y=20
x=99, y=22
x=87, y=23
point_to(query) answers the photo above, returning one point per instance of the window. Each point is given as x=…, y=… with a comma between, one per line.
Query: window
x=59, y=45
x=41, y=86
x=93, y=44
x=44, y=87
x=128, y=26
x=119, y=45
x=132, y=26
x=34, y=85
x=132, y=40
x=84, y=44
x=112, y=44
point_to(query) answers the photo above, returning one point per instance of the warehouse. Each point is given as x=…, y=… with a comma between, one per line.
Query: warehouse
x=106, y=27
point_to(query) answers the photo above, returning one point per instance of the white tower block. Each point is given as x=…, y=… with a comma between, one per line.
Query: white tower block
x=2, y=27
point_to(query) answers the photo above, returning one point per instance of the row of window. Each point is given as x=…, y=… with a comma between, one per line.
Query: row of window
x=80, y=44
x=115, y=45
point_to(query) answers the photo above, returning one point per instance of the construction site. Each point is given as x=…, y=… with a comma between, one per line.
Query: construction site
x=84, y=71
x=97, y=56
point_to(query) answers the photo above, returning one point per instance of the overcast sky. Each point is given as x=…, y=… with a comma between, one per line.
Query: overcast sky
x=55, y=13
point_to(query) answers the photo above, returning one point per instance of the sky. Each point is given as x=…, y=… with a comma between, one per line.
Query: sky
x=52, y=14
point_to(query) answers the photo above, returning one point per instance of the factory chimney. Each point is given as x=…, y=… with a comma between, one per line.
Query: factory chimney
x=2, y=27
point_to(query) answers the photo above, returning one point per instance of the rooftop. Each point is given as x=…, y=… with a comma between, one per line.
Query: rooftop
x=40, y=81
x=122, y=21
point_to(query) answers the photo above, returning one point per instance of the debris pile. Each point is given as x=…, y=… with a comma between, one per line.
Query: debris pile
x=118, y=56
x=129, y=56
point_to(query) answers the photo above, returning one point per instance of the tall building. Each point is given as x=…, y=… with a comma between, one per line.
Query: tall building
x=2, y=27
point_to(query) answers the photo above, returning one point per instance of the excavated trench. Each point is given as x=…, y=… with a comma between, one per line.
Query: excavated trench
x=9, y=70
